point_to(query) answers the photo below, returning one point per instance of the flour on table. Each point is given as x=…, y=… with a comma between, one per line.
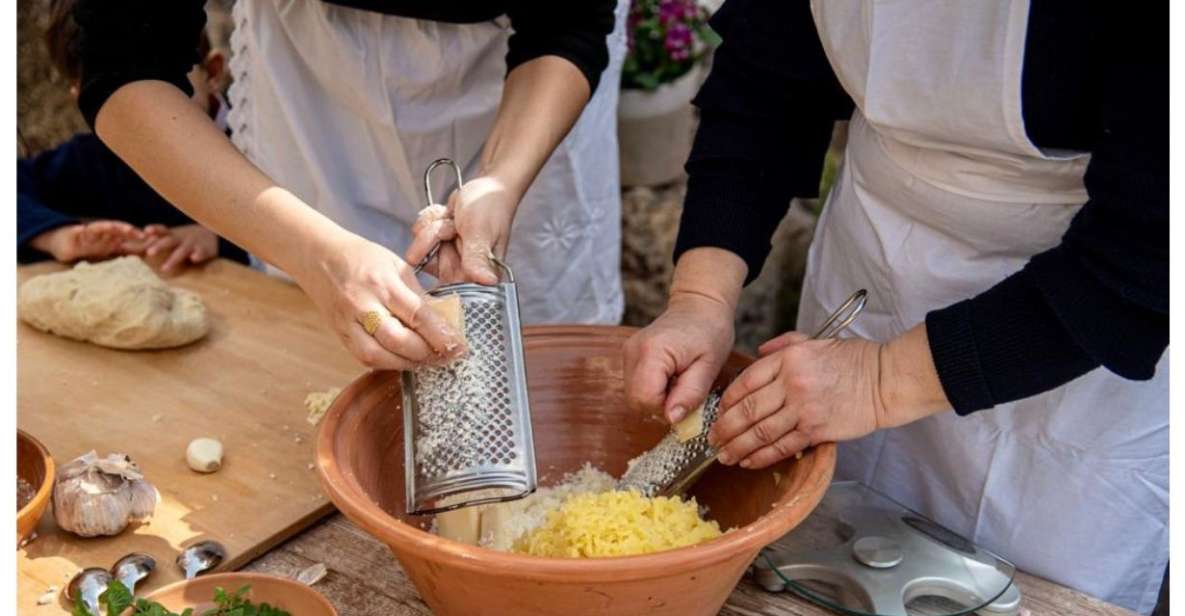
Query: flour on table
x=318, y=402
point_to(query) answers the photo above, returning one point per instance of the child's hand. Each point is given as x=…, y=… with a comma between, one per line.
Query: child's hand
x=187, y=244
x=101, y=239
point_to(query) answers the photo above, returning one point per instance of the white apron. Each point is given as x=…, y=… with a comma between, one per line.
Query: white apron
x=941, y=196
x=346, y=108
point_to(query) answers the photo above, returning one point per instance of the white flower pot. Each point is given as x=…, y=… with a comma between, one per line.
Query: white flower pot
x=655, y=130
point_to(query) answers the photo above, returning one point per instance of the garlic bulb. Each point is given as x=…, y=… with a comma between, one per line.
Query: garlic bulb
x=96, y=496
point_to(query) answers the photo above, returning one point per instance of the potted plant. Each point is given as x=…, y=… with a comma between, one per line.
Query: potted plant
x=668, y=42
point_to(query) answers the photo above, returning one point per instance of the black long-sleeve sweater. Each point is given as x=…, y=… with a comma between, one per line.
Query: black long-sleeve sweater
x=1095, y=78
x=130, y=40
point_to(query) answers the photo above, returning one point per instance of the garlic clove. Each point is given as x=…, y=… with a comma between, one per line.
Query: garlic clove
x=144, y=499
x=204, y=455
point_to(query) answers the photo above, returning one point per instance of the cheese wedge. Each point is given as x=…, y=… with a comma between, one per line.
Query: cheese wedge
x=690, y=426
x=460, y=525
x=450, y=309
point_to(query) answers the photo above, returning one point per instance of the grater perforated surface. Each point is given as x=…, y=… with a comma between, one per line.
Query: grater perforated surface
x=469, y=421
x=667, y=467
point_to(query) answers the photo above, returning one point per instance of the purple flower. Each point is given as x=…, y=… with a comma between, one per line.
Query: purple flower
x=670, y=11
x=678, y=42
x=674, y=11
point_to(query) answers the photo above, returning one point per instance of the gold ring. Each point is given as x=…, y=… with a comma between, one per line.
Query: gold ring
x=371, y=321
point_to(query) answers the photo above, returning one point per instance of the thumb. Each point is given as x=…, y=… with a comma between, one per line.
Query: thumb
x=475, y=260
x=690, y=390
x=646, y=381
x=773, y=345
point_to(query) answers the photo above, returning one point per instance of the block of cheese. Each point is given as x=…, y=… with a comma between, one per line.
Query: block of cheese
x=460, y=525
x=690, y=426
x=450, y=309
x=497, y=527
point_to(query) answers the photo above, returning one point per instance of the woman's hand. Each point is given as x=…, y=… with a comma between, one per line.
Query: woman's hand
x=803, y=392
x=800, y=393
x=101, y=239
x=372, y=300
x=671, y=364
x=474, y=225
x=541, y=100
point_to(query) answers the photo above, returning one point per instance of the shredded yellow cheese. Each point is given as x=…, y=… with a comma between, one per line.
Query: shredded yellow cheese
x=617, y=523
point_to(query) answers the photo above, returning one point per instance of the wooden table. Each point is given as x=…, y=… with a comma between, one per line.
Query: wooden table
x=365, y=580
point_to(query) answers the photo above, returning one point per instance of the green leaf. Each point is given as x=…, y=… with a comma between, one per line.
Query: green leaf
x=647, y=81
x=117, y=598
x=80, y=610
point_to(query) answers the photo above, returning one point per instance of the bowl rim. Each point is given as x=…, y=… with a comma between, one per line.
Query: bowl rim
x=348, y=496
x=247, y=577
x=50, y=475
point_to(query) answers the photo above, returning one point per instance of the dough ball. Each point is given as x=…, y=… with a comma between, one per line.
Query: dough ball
x=120, y=304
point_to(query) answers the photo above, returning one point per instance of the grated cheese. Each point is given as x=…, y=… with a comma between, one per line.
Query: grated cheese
x=504, y=523
x=617, y=523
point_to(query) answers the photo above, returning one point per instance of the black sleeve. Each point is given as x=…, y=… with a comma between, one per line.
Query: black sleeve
x=1100, y=298
x=82, y=179
x=767, y=111
x=56, y=188
x=571, y=29
x=33, y=217
x=122, y=41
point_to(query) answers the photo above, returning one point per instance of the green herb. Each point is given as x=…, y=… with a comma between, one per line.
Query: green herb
x=117, y=598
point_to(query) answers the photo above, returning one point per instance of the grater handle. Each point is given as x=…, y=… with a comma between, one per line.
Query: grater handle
x=428, y=193
x=844, y=316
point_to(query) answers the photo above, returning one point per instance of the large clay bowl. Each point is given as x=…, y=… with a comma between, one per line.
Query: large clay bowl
x=579, y=415
x=34, y=465
x=289, y=595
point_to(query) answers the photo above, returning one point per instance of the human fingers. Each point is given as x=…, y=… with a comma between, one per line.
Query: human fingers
x=735, y=420
x=789, y=445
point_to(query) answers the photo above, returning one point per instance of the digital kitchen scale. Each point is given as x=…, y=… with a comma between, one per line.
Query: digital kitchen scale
x=870, y=556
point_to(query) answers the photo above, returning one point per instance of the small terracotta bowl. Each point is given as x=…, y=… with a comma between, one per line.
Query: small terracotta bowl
x=579, y=415
x=198, y=593
x=34, y=465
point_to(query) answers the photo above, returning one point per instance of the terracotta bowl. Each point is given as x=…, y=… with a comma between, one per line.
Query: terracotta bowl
x=289, y=595
x=33, y=464
x=579, y=415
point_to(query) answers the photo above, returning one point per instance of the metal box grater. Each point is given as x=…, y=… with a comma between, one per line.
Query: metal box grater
x=467, y=424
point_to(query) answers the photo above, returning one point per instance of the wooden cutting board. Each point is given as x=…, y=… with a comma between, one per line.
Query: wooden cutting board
x=245, y=384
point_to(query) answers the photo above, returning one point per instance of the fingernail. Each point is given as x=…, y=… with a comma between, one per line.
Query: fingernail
x=676, y=413
x=746, y=463
x=724, y=459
